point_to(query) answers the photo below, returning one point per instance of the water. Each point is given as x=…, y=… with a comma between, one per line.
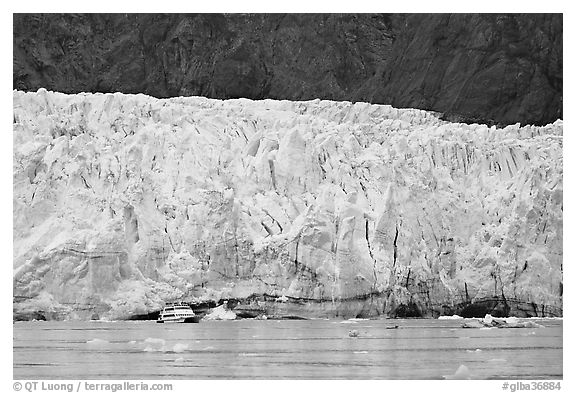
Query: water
x=250, y=349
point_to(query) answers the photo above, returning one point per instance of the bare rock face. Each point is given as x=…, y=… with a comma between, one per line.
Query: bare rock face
x=123, y=202
x=477, y=67
x=484, y=68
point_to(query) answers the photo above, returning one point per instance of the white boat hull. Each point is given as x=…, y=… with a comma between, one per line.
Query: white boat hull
x=193, y=319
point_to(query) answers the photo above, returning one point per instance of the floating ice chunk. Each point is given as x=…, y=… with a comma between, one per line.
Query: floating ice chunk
x=97, y=342
x=353, y=333
x=180, y=347
x=152, y=340
x=450, y=317
x=530, y=324
x=473, y=324
x=154, y=344
x=462, y=373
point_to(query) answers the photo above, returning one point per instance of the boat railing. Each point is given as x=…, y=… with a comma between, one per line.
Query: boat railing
x=172, y=304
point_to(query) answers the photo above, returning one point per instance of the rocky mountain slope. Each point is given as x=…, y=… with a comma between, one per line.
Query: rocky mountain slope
x=315, y=208
x=487, y=68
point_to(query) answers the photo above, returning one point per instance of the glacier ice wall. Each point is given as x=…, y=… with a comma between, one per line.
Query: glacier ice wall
x=122, y=202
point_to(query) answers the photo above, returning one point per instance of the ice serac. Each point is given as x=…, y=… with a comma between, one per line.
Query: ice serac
x=317, y=208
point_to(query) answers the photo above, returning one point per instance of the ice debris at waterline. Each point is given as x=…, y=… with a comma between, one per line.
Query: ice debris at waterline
x=489, y=322
x=219, y=313
x=122, y=202
x=450, y=317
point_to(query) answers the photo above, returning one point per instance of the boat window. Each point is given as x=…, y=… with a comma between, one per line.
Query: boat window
x=168, y=315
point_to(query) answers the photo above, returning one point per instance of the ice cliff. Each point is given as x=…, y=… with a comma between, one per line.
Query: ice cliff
x=122, y=202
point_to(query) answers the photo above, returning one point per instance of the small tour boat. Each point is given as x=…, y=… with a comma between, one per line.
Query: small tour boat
x=178, y=312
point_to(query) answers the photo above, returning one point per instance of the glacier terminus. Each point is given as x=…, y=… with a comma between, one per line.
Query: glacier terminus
x=314, y=208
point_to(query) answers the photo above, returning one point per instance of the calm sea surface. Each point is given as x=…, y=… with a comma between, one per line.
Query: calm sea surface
x=311, y=349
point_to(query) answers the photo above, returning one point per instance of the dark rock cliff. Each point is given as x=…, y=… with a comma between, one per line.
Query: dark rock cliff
x=484, y=68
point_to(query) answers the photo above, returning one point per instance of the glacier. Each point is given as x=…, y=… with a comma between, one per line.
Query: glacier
x=316, y=208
